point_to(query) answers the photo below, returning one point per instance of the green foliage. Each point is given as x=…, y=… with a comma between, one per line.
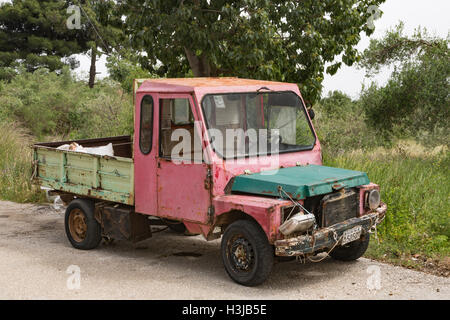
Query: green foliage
x=101, y=24
x=415, y=100
x=275, y=40
x=48, y=104
x=415, y=186
x=34, y=34
x=413, y=179
x=15, y=165
x=337, y=104
x=123, y=69
x=340, y=125
x=104, y=16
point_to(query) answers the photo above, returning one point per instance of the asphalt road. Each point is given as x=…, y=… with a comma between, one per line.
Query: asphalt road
x=35, y=258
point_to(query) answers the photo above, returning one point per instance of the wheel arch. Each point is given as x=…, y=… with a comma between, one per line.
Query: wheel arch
x=227, y=218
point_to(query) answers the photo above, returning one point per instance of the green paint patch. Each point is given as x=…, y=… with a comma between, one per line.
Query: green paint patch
x=299, y=182
x=85, y=174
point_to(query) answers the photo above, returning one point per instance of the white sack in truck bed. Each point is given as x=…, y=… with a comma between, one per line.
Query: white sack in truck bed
x=103, y=150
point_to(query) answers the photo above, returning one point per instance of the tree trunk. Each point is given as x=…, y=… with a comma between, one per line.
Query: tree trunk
x=93, y=70
x=200, y=64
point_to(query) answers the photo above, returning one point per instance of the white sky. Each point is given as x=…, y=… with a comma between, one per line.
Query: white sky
x=432, y=14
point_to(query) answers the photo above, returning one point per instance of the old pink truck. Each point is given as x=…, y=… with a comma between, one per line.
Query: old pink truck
x=219, y=157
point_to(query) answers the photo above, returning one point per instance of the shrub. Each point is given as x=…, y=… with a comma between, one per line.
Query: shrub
x=51, y=104
x=16, y=166
x=340, y=125
x=415, y=101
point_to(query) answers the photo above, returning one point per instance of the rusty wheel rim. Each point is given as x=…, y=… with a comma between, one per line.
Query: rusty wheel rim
x=241, y=254
x=77, y=225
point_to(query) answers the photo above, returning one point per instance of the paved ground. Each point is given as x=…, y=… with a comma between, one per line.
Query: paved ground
x=35, y=256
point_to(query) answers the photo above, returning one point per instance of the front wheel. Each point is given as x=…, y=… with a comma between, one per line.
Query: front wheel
x=353, y=250
x=82, y=230
x=246, y=253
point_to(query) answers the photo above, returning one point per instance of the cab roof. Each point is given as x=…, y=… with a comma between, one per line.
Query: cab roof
x=201, y=84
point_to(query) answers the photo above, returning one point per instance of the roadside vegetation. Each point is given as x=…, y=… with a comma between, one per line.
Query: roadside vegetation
x=414, y=180
x=415, y=185
x=398, y=133
x=15, y=165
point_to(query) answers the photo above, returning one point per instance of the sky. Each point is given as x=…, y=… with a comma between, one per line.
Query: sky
x=432, y=14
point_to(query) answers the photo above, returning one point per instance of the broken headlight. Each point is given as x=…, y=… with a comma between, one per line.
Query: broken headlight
x=298, y=223
x=373, y=199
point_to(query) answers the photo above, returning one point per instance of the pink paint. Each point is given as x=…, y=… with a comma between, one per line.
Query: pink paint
x=166, y=189
x=145, y=185
x=362, y=191
x=266, y=211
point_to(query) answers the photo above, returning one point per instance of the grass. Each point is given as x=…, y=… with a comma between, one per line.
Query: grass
x=15, y=166
x=415, y=185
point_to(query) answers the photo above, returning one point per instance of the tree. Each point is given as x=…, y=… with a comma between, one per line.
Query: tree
x=38, y=34
x=415, y=100
x=124, y=68
x=276, y=40
x=102, y=25
x=34, y=34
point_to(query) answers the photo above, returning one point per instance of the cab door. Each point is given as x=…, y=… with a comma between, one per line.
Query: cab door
x=145, y=153
x=183, y=178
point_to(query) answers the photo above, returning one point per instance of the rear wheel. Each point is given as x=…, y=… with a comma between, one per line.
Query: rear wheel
x=246, y=253
x=82, y=230
x=351, y=251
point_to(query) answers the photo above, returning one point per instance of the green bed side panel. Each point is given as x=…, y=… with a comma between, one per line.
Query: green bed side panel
x=103, y=177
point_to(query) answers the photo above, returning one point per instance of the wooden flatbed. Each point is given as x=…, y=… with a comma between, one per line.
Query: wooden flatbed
x=84, y=174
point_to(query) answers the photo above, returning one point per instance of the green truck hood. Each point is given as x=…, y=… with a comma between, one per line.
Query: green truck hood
x=299, y=182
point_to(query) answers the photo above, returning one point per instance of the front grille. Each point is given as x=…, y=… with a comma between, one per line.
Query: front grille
x=338, y=207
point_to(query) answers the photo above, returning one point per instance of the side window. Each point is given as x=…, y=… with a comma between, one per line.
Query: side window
x=182, y=113
x=177, y=130
x=146, y=125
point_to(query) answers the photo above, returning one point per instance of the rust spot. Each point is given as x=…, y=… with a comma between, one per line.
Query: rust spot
x=131, y=199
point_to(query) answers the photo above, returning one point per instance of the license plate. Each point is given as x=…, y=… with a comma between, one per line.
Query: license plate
x=351, y=235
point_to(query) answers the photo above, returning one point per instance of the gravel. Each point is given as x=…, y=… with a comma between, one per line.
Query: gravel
x=36, y=261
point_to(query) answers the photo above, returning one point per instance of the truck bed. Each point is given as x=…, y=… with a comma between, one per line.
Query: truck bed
x=89, y=175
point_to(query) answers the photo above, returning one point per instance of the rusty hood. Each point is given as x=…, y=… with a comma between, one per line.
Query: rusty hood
x=299, y=182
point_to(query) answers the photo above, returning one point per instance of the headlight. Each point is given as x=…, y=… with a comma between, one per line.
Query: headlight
x=373, y=199
x=298, y=223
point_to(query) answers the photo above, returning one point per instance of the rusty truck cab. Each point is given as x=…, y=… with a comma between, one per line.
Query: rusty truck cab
x=191, y=186
x=204, y=158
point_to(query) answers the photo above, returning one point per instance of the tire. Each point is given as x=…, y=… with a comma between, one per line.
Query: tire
x=82, y=230
x=353, y=250
x=251, y=241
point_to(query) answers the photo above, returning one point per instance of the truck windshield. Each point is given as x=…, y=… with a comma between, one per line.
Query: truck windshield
x=252, y=124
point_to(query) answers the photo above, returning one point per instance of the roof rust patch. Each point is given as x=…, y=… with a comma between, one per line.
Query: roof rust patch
x=189, y=84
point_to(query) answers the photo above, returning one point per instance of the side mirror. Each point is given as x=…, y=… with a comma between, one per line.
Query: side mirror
x=312, y=114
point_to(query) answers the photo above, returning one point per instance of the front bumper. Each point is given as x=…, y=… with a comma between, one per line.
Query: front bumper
x=327, y=237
